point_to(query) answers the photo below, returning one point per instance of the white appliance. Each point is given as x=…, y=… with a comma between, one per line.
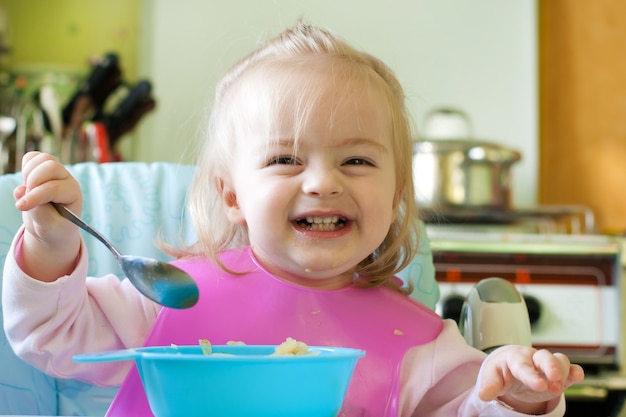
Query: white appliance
x=570, y=283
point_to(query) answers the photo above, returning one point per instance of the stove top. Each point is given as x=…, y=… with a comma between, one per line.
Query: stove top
x=571, y=219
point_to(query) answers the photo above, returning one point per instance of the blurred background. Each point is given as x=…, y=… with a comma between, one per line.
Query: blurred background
x=544, y=78
x=480, y=57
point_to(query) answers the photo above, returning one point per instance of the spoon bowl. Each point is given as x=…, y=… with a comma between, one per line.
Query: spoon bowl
x=160, y=281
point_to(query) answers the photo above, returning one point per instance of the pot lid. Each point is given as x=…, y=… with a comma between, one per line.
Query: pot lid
x=446, y=123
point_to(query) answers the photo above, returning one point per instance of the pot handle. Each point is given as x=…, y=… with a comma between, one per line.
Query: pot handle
x=108, y=356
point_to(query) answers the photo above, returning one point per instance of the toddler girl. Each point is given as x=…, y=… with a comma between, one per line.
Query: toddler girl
x=304, y=208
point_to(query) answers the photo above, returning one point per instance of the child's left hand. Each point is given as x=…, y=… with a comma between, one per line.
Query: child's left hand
x=526, y=378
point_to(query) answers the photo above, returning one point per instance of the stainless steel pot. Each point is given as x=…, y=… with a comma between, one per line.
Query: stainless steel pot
x=466, y=174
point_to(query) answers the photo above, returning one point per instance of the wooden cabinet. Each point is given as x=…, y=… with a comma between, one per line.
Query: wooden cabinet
x=582, y=101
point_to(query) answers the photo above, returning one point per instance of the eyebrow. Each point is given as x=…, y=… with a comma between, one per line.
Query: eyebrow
x=362, y=142
x=281, y=142
x=347, y=142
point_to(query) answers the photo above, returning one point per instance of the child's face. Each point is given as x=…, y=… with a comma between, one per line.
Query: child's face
x=314, y=212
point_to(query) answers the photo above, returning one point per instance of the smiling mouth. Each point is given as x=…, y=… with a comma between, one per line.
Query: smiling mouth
x=322, y=224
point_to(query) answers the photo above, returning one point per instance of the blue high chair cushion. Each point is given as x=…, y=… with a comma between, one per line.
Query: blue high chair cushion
x=132, y=203
x=421, y=273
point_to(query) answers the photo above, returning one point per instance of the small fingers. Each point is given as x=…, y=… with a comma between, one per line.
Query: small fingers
x=19, y=192
x=45, y=180
x=553, y=369
x=544, y=370
x=521, y=368
x=39, y=167
x=531, y=373
x=557, y=370
x=29, y=156
x=576, y=375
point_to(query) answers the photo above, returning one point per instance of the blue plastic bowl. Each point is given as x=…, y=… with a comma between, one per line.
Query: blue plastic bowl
x=246, y=381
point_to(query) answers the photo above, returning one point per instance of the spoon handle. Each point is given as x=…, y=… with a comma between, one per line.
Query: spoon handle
x=71, y=216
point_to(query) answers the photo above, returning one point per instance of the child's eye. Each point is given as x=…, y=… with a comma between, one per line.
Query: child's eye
x=283, y=160
x=358, y=161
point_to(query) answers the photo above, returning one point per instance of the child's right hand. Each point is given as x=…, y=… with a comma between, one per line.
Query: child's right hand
x=51, y=244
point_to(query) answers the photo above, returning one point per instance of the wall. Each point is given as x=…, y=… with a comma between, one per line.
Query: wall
x=478, y=55
x=66, y=33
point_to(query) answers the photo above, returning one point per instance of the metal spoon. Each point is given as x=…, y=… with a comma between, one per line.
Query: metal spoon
x=160, y=281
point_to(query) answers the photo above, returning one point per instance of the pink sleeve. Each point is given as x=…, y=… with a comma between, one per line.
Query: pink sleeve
x=47, y=323
x=439, y=380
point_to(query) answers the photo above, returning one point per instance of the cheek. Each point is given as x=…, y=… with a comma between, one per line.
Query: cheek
x=387, y=188
x=380, y=199
x=387, y=201
x=257, y=200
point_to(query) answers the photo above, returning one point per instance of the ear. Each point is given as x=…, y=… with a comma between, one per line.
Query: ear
x=229, y=201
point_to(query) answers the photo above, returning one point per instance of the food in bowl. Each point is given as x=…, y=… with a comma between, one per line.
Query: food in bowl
x=205, y=346
x=290, y=346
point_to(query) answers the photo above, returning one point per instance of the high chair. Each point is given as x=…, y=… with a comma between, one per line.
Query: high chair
x=131, y=203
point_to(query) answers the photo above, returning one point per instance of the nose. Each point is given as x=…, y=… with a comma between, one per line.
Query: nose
x=322, y=182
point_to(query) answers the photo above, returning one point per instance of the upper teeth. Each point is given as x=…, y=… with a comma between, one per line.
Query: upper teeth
x=320, y=220
x=322, y=224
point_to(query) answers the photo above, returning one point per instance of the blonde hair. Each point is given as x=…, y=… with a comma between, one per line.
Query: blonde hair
x=294, y=49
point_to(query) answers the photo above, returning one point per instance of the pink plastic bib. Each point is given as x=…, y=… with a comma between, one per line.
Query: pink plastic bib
x=257, y=308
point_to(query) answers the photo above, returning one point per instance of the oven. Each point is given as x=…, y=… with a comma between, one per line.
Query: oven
x=571, y=284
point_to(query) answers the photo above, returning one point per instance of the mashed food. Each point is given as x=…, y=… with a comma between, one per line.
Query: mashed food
x=289, y=347
x=206, y=347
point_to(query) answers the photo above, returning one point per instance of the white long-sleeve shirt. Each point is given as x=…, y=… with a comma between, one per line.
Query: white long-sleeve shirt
x=48, y=323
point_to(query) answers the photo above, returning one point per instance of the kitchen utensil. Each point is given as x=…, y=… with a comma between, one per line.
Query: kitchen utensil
x=49, y=102
x=101, y=82
x=127, y=114
x=160, y=281
x=99, y=147
x=462, y=173
x=240, y=380
x=495, y=314
x=30, y=133
x=7, y=127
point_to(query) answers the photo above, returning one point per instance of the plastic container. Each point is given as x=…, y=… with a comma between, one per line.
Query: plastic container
x=240, y=380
